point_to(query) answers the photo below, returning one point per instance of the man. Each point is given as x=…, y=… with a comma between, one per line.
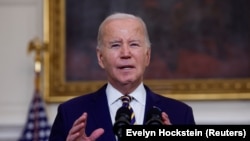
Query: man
x=123, y=51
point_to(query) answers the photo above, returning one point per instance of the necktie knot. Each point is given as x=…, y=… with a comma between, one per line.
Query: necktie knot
x=126, y=100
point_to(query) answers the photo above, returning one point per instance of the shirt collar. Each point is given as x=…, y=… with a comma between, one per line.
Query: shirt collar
x=113, y=95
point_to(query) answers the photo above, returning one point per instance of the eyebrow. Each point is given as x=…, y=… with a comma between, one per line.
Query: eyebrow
x=115, y=41
x=120, y=41
x=135, y=41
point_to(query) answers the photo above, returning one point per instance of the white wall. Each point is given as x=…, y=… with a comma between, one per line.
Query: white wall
x=21, y=21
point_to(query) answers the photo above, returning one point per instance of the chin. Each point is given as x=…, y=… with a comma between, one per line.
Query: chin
x=125, y=81
x=130, y=81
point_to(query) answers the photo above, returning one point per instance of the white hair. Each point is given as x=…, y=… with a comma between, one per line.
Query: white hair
x=121, y=16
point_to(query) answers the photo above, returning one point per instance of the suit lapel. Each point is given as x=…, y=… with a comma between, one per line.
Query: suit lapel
x=151, y=100
x=102, y=114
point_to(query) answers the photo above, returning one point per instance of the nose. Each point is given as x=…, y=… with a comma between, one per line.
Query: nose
x=125, y=51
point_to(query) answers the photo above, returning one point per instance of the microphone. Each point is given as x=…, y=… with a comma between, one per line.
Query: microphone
x=123, y=117
x=154, y=116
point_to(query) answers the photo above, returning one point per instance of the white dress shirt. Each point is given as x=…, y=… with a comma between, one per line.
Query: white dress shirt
x=138, y=102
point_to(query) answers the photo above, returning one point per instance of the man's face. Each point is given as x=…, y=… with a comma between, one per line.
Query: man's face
x=124, y=54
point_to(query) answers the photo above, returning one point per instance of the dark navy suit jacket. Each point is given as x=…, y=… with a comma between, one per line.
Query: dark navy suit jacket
x=96, y=105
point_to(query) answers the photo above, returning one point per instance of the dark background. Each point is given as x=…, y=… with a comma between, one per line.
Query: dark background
x=191, y=39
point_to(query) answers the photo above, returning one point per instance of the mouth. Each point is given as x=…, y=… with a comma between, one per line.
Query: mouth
x=125, y=67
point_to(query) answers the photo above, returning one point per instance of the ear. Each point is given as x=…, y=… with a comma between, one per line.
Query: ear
x=100, y=57
x=148, y=56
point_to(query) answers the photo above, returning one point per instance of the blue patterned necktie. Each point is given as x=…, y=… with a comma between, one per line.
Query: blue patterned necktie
x=126, y=100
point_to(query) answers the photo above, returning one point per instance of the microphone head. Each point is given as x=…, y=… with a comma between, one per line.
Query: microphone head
x=154, y=116
x=123, y=117
x=123, y=112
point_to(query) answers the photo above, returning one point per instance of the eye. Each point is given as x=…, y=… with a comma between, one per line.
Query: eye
x=134, y=45
x=115, y=45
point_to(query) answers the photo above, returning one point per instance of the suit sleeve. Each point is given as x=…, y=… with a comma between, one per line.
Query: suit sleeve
x=190, y=116
x=58, y=130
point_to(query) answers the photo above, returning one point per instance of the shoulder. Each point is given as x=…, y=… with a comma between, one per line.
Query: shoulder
x=85, y=99
x=165, y=101
x=171, y=101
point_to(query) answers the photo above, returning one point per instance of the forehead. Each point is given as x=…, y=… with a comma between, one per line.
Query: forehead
x=119, y=20
x=123, y=24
